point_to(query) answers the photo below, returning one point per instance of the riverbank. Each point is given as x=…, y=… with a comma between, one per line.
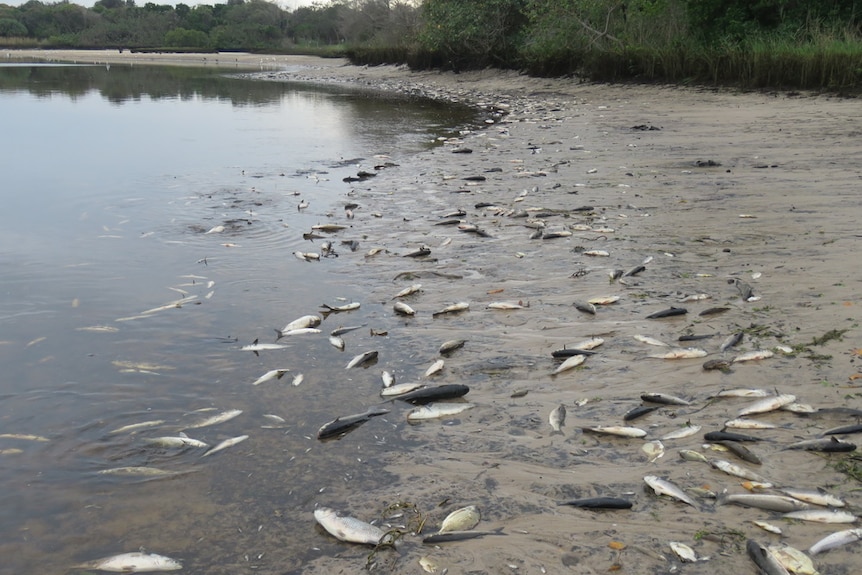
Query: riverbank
x=710, y=191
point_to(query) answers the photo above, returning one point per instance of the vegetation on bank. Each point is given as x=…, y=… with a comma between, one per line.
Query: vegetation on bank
x=794, y=44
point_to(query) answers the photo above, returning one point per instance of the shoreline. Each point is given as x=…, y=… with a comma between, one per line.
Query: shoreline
x=706, y=187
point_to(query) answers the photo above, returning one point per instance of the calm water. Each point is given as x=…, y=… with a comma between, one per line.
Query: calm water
x=112, y=178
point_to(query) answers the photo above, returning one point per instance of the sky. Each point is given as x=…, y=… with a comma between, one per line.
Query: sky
x=286, y=4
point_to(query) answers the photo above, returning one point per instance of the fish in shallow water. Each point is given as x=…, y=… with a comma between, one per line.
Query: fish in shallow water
x=454, y=308
x=216, y=419
x=271, y=374
x=346, y=528
x=362, y=359
x=230, y=442
x=181, y=440
x=557, y=418
x=407, y=291
x=341, y=425
x=135, y=562
x=619, y=431
x=435, y=393
x=449, y=346
x=402, y=308
x=255, y=346
x=437, y=411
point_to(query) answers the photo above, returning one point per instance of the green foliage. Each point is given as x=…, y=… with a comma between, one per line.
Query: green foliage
x=471, y=34
x=183, y=38
x=10, y=28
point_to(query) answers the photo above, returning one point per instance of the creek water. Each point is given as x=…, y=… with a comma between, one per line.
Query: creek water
x=132, y=189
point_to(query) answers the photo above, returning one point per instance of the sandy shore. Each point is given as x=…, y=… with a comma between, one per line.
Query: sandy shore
x=710, y=190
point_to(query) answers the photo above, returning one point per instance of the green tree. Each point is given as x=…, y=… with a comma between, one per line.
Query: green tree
x=10, y=28
x=182, y=38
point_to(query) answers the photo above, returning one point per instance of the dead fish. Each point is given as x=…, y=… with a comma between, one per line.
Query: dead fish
x=134, y=562
x=255, y=346
x=435, y=393
x=588, y=344
x=680, y=353
x=649, y=340
x=345, y=329
x=570, y=363
x=720, y=364
x=767, y=526
x=745, y=290
x=731, y=341
x=271, y=374
x=449, y=346
x=585, y=307
x=664, y=399
x=437, y=411
x=598, y=503
x=507, y=305
x=736, y=470
x=328, y=227
x=337, y=342
x=767, y=404
x=767, y=502
x=664, y=487
x=458, y=536
x=639, y=411
x=604, y=300
x=362, y=359
x=821, y=516
x=303, y=331
x=743, y=392
x=616, y=430
x=569, y=352
x=742, y=423
x=132, y=428
x=339, y=308
x=740, y=451
x=181, y=440
x=728, y=436
x=216, y=419
x=341, y=425
x=408, y=291
x=753, y=355
x=402, y=308
x=422, y=251
x=456, y=307
x=230, y=442
x=349, y=529
x=557, y=418
x=303, y=322
x=401, y=388
x=695, y=297
x=434, y=368
x=138, y=471
x=764, y=559
x=844, y=429
x=713, y=311
x=827, y=445
x=461, y=520
x=685, y=553
x=553, y=234
x=597, y=253
x=835, y=540
x=816, y=497
x=669, y=312
x=686, y=431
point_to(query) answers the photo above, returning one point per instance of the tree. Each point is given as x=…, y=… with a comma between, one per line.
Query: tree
x=10, y=28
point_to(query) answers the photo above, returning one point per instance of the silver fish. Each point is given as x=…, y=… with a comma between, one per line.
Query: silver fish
x=461, y=519
x=616, y=430
x=664, y=399
x=230, y=442
x=256, y=347
x=435, y=367
x=134, y=427
x=649, y=340
x=349, y=529
x=743, y=392
x=680, y=353
x=271, y=374
x=408, y=291
x=302, y=322
x=837, y=539
x=338, y=308
x=588, y=344
x=388, y=379
x=570, y=363
x=135, y=562
x=399, y=388
x=345, y=329
x=216, y=419
x=821, y=516
x=753, y=355
x=362, y=358
x=402, y=308
x=817, y=497
x=454, y=308
x=686, y=431
x=767, y=404
x=182, y=440
x=507, y=305
x=767, y=502
x=557, y=418
x=328, y=227
x=437, y=410
x=730, y=341
x=343, y=424
x=451, y=345
x=736, y=470
x=742, y=423
x=665, y=487
x=137, y=471
x=337, y=342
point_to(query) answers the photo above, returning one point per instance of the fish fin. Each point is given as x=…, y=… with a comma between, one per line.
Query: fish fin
x=280, y=334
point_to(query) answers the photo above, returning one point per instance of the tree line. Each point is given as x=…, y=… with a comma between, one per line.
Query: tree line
x=754, y=43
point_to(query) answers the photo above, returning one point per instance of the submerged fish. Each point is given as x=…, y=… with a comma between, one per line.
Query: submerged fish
x=135, y=562
x=216, y=419
x=341, y=425
x=349, y=529
x=362, y=359
x=230, y=442
x=271, y=374
x=131, y=428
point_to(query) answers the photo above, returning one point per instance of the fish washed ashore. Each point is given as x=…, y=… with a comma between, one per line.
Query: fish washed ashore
x=629, y=201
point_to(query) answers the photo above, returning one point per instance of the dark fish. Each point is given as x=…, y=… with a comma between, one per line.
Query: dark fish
x=713, y=311
x=731, y=341
x=664, y=399
x=844, y=430
x=639, y=411
x=570, y=352
x=765, y=561
x=599, y=503
x=341, y=425
x=422, y=251
x=583, y=209
x=829, y=445
x=744, y=290
x=694, y=337
x=435, y=393
x=728, y=436
x=481, y=205
x=475, y=178
x=458, y=536
x=669, y=312
x=448, y=222
x=740, y=451
x=634, y=271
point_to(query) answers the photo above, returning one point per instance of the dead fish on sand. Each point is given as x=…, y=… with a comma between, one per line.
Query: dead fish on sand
x=617, y=430
x=349, y=529
x=598, y=503
x=664, y=487
x=341, y=425
x=557, y=418
x=458, y=536
x=407, y=291
x=753, y=355
x=437, y=411
x=669, y=312
x=570, y=363
x=135, y=562
x=680, y=353
x=837, y=539
x=402, y=308
x=449, y=346
x=454, y=308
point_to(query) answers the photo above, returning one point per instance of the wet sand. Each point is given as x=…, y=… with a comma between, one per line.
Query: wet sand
x=716, y=187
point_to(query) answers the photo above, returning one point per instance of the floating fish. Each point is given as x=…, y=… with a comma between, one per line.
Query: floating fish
x=216, y=419
x=449, y=346
x=362, y=359
x=341, y=425
x=349, y=529
x=131, y=428
x=639, y=411
x=271, y=374
x=585, y=307
x=736, y=470
x=181, y=440
x=817, y=497
x=138, y=471
x=256, y=347
x=230, y=442
x=135, y=562
x=435, y=393
x=339, y=308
